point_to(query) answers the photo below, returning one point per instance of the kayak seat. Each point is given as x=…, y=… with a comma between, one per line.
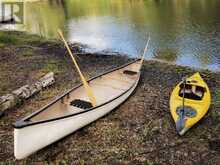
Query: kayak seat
x=200, y=91
x=81, y=104
x=129, y=72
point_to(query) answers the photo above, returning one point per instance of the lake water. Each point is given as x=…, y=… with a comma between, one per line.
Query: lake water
x=186, y=32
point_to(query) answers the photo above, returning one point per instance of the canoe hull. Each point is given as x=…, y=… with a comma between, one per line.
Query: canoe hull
x=30, y=139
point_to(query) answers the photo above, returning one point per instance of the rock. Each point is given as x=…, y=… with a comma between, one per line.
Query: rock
x=1, y=114
x=214, y=145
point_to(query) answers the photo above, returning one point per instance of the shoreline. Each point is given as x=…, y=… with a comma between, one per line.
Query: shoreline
x=139, y=131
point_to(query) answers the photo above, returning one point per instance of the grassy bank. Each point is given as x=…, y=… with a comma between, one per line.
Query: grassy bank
x=140, y=131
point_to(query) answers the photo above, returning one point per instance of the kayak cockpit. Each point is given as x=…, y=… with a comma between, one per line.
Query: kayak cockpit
x=192, y=92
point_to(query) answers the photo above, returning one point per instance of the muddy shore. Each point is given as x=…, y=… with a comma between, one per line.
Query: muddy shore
x=140, y=131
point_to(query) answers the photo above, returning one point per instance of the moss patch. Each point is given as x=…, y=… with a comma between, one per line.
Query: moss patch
x=218, y=97
x=18, y=38
x=28, y=52
x=6, y=38
x=54, y=66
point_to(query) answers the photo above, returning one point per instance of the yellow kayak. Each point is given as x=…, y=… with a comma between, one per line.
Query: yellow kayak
x=189, y=102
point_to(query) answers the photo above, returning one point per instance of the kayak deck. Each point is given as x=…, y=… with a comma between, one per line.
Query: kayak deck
x=105, y=88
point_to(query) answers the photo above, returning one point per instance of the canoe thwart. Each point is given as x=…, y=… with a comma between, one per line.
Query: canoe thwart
x=129, y=72
x=81, y=104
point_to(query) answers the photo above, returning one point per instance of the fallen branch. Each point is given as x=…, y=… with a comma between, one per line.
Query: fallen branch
x=17, y=96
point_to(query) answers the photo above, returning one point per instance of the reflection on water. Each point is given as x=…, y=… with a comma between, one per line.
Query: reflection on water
x=166, y=54
x=186, y=32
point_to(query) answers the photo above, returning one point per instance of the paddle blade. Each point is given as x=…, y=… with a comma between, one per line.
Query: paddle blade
x=89, y=92
x=180, y=123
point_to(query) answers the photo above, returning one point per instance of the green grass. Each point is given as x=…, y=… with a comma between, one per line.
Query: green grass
x=6, y=38
x=218, y=97
x=27, y=52
x=167, y=54
x=54, y=66
x=2, y=45
x=18, y=38
x=148, y=162
x=217, y=103
x=51, y=67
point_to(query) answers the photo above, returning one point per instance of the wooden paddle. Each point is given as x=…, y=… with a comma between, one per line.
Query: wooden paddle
x=85, y=83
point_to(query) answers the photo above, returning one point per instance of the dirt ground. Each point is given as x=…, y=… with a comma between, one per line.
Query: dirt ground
x=140, y=131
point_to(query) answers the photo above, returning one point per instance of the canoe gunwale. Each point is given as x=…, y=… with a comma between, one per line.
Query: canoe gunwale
x=24, y=122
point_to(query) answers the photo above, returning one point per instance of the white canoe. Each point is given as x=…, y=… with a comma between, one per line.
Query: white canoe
x=73, y=110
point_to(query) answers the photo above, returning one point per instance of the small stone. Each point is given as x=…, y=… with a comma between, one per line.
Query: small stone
x=155, y=129
x=1, y=114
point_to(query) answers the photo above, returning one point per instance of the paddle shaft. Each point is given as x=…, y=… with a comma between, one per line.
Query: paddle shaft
x=181, y=121
x=184, y=90
x=85, y=83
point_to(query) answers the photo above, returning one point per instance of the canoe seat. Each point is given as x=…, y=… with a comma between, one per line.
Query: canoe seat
x=81, y=104
x=129, y=72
